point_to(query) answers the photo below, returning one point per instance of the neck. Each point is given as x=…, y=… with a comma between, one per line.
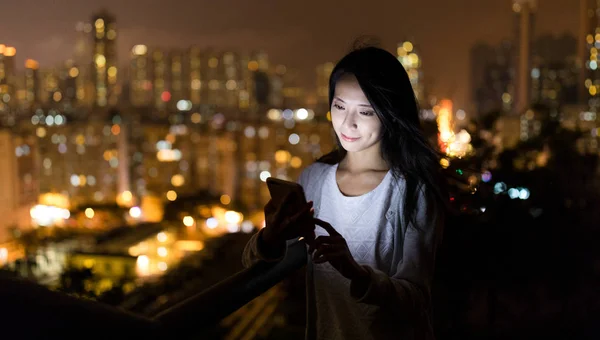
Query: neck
x=365, y=160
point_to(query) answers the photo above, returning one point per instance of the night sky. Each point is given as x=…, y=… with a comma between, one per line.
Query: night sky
x=299, y=34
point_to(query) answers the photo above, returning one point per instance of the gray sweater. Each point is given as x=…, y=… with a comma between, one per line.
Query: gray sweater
x=400, y=261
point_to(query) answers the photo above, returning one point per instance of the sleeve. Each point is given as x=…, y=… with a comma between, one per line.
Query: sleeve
x=254, y=252
x=407, y=291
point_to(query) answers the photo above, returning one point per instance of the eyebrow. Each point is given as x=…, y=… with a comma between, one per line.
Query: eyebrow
x=364, y=105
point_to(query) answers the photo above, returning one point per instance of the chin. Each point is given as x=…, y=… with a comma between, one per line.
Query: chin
x=351, y=147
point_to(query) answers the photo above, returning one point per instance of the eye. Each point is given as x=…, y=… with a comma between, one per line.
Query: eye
x=338, y=106
x=367, y=113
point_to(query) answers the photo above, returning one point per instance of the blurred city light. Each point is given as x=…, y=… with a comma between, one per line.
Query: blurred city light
x=89, y=213
x=161, y=237
x=500, y=187
x=171, y=195
x=45, y=216
x=233, y=217
x=264, y=175
x=188, y=221
x=135, y=212
x=225, y=199
x=513, y=193
x=212, y=223
x=247, y=227
x=524, y=193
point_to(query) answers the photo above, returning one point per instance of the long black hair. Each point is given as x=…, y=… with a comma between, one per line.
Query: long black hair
x=404, y=146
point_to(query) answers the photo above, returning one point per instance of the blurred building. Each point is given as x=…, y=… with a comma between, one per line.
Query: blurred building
x=104, y=63
x=524, y=31
x=194, y=120
x=8, y=185
x=108, y=269
x=130, y=159
x=181, y=79
x=68, y=84
x=588, y=53
x=554, y=72
x=31, y=84
x=293, y=93
x=76, y=159
x=19, y=187
x=552, y=79
x=280, y=147
x=8, y=86
x=277, y=78
x=7, y=70
x=140, y=84
x=411, y=60
x=226, y=156
x=323, y=74
x=491, y=77
x=83, y=56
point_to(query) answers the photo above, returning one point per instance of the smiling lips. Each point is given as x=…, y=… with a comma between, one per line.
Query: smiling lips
x=349, y=139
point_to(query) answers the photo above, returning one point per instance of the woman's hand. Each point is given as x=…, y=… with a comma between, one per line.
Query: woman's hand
x=334, y=249
x=283, y=223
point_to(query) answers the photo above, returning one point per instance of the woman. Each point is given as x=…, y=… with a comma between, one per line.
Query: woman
x=377, y=203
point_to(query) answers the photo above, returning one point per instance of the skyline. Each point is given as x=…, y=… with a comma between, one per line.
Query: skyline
x=286, y=39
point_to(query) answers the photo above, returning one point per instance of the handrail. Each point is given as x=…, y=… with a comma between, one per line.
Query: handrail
x=32, y=311
x=38, y=312
x=210, y=306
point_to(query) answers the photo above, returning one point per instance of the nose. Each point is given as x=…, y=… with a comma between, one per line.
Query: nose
x=350, y=121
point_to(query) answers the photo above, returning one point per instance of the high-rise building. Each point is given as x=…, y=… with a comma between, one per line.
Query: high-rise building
x=8, y=183
x=293, y=92
x=68, y=76
x=323, y=74
x=277, y=77
x=195, y=69
x=179, y=73
x=32, y=83
x=554, y=73
x=50, y=86
x=7, y=65
x=80, y=160
x=8, y=81
x=524, y=29
x=83, y=58
x=256, y=81
x=491, y=79
x=166, y=79
x=104, y=70
x=411, y=60
x=588, y=53
x=140, y=83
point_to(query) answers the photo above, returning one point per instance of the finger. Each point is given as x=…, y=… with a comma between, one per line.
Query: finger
x=323, y=240
x=328, y=248
x=332, y=247
x=326, y=226
x=321, y=259
x=321, y=251
x=328, y=257
x=309, y=239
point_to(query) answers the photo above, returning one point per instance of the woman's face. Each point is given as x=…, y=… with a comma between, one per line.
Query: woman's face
x=354, y=120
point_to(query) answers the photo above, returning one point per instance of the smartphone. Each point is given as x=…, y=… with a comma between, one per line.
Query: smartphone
x=279, y=188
